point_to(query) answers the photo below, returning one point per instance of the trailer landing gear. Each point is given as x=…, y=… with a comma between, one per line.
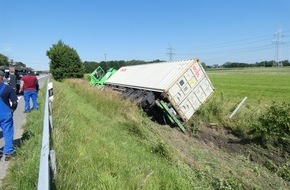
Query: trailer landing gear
x=168, y=112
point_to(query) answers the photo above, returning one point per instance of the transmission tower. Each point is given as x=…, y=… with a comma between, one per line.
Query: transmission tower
x=277, y=42
x=170, y=53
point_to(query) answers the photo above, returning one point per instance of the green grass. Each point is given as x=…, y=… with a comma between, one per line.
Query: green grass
x=258, y=84
x=104, y=142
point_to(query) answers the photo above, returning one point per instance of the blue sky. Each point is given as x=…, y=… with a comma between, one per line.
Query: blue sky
x=215, y=31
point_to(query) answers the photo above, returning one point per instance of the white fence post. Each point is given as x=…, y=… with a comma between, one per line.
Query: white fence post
x=237, y=108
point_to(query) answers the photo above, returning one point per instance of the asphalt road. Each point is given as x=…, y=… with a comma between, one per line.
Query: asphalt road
x=19, y=120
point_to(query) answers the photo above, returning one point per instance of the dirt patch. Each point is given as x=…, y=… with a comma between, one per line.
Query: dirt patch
x=220, y=139
x=226, y=141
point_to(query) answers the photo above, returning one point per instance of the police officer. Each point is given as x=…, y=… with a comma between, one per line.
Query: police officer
x=7, y=95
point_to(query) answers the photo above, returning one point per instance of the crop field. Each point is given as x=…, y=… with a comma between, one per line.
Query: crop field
x=260, y=85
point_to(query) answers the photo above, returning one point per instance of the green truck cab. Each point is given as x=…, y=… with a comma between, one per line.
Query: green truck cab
x=99, y=76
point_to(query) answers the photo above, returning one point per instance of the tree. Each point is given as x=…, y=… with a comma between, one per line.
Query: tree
x=64, y=62
x=90, y=66
x=286, y=63
x=4, y=60
x=20, y=64
x=203, y=65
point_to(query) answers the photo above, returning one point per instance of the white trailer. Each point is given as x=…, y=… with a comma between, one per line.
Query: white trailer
x=179, y=87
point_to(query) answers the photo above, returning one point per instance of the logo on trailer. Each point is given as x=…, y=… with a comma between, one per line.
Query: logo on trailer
x=123, y=69
x=196, y=72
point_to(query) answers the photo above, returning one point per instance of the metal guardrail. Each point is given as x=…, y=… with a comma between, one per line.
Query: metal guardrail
x=47, y=165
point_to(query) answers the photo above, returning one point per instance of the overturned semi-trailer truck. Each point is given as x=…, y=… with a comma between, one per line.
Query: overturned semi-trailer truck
x=177, y=88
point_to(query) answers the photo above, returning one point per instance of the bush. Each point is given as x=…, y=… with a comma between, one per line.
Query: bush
x=274, y=125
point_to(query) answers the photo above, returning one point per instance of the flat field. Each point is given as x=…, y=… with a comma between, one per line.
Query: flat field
x=260, y=85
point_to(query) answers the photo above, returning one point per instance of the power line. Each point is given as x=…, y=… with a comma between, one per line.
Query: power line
x=238, y=47
x=231, y=50
x=233, y=43
x=278, y=41
x=170, y=53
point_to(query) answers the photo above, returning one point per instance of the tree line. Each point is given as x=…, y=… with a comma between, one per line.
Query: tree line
x=257, y=64
x=90, y=66
x=66, y=63
x=5, y=62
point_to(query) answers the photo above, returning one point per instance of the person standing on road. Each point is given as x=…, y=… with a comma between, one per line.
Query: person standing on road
x=7, y=95
x=29, y=86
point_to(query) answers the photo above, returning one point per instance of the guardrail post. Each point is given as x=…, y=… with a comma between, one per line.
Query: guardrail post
x=50, y=91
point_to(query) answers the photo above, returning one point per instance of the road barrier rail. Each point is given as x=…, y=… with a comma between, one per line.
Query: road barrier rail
x=47, y=164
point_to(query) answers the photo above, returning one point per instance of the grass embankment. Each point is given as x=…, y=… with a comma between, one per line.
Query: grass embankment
x=103, y=142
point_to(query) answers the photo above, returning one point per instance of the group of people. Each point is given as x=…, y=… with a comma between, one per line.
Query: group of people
x=8, y=104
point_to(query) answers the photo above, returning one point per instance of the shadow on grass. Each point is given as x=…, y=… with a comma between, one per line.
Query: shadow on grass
x=25, y=136
x=17, y=142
